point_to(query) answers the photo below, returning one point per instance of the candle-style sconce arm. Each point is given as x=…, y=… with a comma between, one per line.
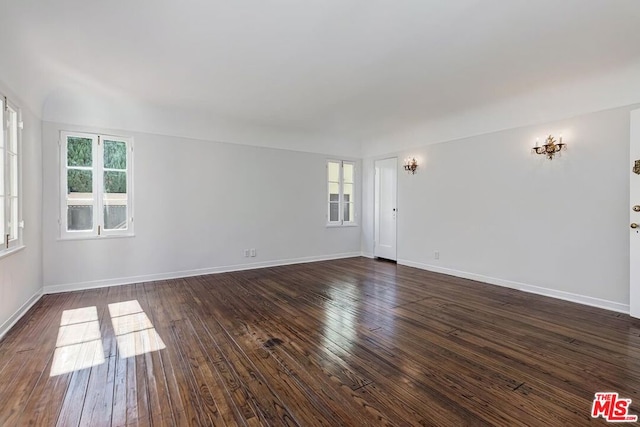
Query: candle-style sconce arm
x=410, y=165
x=550, y=148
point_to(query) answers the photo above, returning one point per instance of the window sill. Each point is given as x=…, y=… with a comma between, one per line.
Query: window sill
x=74, y=238
x=7, y=252
x=351, y=224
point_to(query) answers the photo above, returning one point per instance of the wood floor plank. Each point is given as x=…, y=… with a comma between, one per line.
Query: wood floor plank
x=345, y=342
x=160, y=405
x=249, y=381
x=82, y=359
x=184, y=410
x=99, y=394
x=47, y=397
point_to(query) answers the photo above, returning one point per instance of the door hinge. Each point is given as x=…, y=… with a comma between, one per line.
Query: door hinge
x=98, y=230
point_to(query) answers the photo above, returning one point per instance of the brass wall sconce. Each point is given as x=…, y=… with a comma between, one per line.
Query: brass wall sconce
x=550, y=147
x=410, y=164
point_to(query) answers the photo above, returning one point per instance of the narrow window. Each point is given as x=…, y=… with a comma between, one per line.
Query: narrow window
x=10, y=175
x=341, y=192
x=97, y=196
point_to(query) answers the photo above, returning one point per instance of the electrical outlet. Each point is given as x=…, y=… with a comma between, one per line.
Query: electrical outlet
x=246, y=253
x=253, y=251
x=436, y=255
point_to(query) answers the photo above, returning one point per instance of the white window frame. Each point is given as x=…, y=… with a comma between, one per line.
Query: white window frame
x=98, y=230
x=8, y=244
x=341, y=222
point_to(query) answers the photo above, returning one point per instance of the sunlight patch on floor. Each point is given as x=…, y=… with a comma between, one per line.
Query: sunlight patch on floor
x=79, y=343
x=134, y=331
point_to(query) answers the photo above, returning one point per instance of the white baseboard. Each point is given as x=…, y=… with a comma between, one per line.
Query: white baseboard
x=567, y=296
x=68, y=287
x=19, y=313
x=367, y=255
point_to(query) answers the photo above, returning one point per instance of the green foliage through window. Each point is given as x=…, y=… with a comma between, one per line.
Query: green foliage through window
x=115, y=155
x=79, y=181
x=79, y=154
x=79, y=151
x=115, y=182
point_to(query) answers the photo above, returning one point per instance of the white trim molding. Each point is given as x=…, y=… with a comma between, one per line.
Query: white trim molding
x=68, y=287
x=538, y=290
x=13, y=319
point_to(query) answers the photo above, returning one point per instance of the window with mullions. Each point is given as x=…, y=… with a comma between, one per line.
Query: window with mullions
x=96, y=176
x=341, y=192
x=10, y=186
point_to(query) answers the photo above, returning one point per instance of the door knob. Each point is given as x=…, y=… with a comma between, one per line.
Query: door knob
x=636, y=208
x=634, y=225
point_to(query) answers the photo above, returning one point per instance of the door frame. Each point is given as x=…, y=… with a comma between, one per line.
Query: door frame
x=375, y=201
x=634, y=217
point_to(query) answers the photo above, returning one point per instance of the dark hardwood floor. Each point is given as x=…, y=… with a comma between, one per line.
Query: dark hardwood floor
x=347, y=342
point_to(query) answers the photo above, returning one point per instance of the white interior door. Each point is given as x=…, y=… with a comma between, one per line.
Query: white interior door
x=386, y=178
x=634, y=209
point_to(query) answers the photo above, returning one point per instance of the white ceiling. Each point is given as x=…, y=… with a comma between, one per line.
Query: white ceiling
x=350, y=67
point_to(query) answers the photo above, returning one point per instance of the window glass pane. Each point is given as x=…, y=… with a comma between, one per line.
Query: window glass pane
x=79, y=151
x=348, y=172
x=12, y=144
x=115, y=182
x=13, y=219
x=1, y=172
x=334, y=189
x=348, y=192
x=115, y=155
x=334, y=171
x=334, y=212
x=115, y=211
x=348, y=212
x=2, y=200
x=13, y=175
x=115, y=217
x=79, y=217
x=80, y=181
x=2, y=223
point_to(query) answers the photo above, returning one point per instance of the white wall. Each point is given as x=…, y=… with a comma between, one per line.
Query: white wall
x=198, y=204
x=584, y=94
x=21, y=272
x=498, y=213
x=86, y=106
